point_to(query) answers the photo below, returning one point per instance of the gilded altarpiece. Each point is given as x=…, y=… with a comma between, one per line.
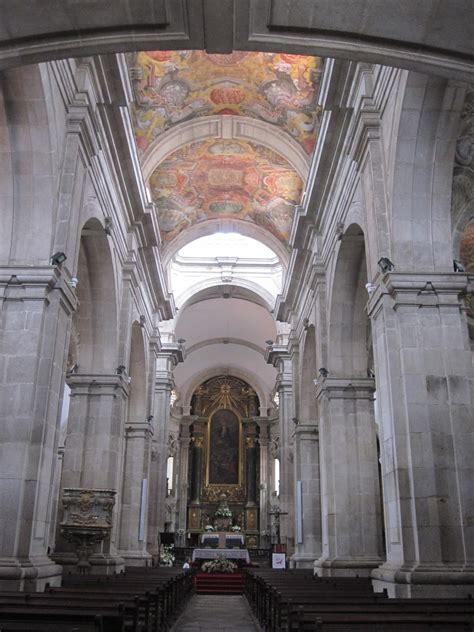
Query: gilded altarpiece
x=223, y=457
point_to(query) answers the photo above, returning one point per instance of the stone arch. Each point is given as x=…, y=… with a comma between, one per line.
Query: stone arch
x=137, y=370
x=348, y=322
x=422, y=185
x=28, y=178
x=210, y=227
x=245, y=290
x=384, y=37
x=308, y=407
x=225, y=126
x=96, y=320
x=248, y=376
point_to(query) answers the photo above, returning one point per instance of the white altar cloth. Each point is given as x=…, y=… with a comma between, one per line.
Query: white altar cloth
x=212, y=554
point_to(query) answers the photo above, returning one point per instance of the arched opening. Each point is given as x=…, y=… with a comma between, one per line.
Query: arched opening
x=96, y=318
x=224, y=458
x=466, y=254
x=350, y=488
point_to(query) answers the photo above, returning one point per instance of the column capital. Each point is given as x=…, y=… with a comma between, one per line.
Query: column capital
x=346, y=388
x=95, y=384
x=138, y=430
x=306, y=431
x=35, y=283
x=417, y=290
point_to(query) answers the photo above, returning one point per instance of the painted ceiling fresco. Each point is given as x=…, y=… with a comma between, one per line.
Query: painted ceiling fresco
x=221, y=179
x=175, y=86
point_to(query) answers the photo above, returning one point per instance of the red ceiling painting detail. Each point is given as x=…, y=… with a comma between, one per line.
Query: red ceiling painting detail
x=176, y=86
x=220, y=179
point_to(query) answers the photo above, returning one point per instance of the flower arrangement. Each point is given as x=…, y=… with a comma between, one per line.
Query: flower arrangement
x=219, y=565
x=235, y=528
x=223, y=512
x=167, y=556
x=209, y=528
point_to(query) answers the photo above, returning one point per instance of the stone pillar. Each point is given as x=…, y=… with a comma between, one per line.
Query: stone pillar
x=93, y=452
x=166, y=359
x=425, y=412
x=134, y=505
x=279, y=357
x=251, y=462
x=264, y=482
x=197, y=456
x=183, y=472
x=308, y=542
x=36, y=307
x=350, y=491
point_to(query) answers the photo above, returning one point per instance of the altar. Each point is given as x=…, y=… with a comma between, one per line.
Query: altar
x=212, y=554
x=222, y=539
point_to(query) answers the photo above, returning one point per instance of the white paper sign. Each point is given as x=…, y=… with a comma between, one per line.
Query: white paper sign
x=279, y=560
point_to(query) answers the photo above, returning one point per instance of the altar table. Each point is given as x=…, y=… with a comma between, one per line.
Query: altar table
x=212, y=554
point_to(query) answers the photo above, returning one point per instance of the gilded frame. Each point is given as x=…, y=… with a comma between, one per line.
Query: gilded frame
x=241, y=468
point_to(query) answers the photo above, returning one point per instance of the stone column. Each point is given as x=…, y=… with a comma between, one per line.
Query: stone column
x=166, y=359
x=134, y=506
x=279, y=357
x=251, y=462
x=350, y=491
x=183, y=472
x=197, y=443
x=308, y=542
x=93, y=452
x=425, y=406
x=264, y=482
x=36, y=307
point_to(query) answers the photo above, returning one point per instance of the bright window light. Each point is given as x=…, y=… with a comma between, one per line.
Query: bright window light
x=227, y=245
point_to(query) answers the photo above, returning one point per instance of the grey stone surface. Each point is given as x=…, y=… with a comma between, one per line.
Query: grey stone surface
x=219, y=613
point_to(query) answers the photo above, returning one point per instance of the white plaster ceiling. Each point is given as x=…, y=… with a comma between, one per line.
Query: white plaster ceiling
x=225, y=335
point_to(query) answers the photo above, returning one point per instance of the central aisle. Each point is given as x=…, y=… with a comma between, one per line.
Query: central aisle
x=217, y=613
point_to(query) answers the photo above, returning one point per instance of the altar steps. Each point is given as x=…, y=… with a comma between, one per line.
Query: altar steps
x=219, y=583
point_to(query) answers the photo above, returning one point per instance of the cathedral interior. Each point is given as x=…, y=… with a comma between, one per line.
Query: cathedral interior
x=237, y=270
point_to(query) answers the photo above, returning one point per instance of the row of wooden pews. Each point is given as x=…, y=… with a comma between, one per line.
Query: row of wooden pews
x=296, y=600
x=138, y=600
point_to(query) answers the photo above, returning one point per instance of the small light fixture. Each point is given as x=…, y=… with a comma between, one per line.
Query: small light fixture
x=370, y=288
x=57, y=259
x=323, y=372
x=295, y=420
x=73, y=282
x=142, y=320
x=149, y=418
x=120, y=370
x=181, y=341
x=458, y=266
x=385, y=264
x=306, y=324
x=269, y=343
x=108, y=225
x=340, y=230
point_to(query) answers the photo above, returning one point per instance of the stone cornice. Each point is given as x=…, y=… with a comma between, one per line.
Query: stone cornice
x=417, y=290
x=345, y=388
x=138, y=430
x=108, y=385
x=35, y=283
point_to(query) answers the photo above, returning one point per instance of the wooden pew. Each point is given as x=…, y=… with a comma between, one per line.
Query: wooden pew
x=294, y=601
x=143, y=600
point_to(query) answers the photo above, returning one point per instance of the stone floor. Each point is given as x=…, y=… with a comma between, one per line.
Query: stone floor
x=217, y=613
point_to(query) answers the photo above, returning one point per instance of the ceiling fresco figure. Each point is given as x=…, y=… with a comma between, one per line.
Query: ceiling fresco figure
x=225, y=179
x=175, y=86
